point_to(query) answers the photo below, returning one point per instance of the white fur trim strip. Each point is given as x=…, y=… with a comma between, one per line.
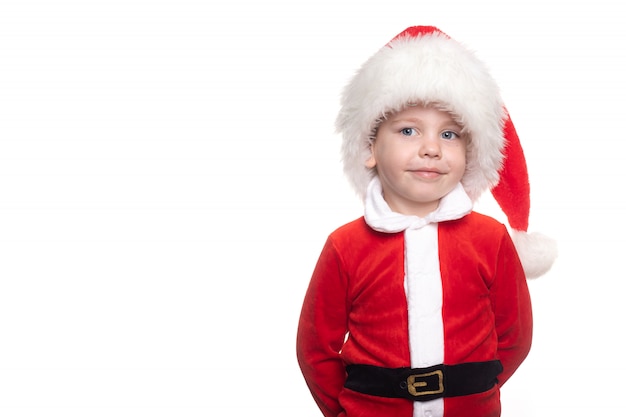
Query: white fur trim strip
x=424, y=298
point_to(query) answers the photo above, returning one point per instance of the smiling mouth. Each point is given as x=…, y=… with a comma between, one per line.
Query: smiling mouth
x=427, y=172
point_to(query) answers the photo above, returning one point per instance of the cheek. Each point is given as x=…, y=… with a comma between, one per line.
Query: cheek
x=462, y=165
x=460, y=153
x=457, y=160
x=392, y=154
x=461, y=160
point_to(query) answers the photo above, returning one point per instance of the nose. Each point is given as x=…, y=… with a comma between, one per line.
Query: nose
x=430, y=147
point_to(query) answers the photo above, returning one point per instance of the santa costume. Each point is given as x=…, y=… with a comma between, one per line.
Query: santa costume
x=424, y=316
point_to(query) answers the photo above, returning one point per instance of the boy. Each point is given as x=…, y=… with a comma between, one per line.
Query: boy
x=421, y=307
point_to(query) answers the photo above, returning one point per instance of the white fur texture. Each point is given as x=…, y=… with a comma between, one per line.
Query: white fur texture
x=536, y=251
x=425, y=69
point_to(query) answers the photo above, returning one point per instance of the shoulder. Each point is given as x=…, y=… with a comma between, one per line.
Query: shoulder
x=357, y=234
x=477, y=228
x=355, y=229
x=476, y=222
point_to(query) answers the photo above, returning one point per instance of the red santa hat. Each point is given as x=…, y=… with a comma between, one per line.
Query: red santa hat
x=424, y=65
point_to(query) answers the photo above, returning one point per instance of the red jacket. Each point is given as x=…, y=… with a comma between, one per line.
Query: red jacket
x=355, y=312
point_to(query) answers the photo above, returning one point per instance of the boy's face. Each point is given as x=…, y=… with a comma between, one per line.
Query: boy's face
x=419, y=155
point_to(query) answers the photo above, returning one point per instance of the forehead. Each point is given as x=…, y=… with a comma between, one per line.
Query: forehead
x=421, y=112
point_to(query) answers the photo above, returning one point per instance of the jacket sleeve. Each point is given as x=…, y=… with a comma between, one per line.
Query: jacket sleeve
x=510, y=299
x=321, y=331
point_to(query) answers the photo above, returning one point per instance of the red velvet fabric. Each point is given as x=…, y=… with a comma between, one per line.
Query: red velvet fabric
x=357, y=289
x=513, y=190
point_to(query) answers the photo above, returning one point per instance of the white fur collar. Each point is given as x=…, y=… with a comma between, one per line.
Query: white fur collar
x=380, y=217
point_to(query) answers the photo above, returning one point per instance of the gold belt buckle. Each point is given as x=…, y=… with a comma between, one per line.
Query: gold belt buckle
x=417, y=386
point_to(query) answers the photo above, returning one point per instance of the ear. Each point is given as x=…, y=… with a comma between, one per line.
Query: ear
x=371, y=161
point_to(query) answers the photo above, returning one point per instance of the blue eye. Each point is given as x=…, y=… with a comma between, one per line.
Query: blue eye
x=408, y=131
x=448, y=134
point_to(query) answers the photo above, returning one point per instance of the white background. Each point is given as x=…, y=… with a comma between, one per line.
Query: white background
x=169, y=172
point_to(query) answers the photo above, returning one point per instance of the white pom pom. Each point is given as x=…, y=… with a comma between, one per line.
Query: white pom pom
x=536, y=251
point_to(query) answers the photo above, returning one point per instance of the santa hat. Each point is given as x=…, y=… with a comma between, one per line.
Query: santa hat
x=424, y=65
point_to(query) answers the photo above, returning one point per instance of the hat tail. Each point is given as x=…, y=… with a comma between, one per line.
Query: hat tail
x=536, y=251
x=513, y=190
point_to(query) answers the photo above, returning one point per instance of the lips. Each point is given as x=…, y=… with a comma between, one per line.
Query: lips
x=427, y=173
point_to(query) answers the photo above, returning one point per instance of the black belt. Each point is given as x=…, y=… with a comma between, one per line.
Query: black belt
x=424, y=384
